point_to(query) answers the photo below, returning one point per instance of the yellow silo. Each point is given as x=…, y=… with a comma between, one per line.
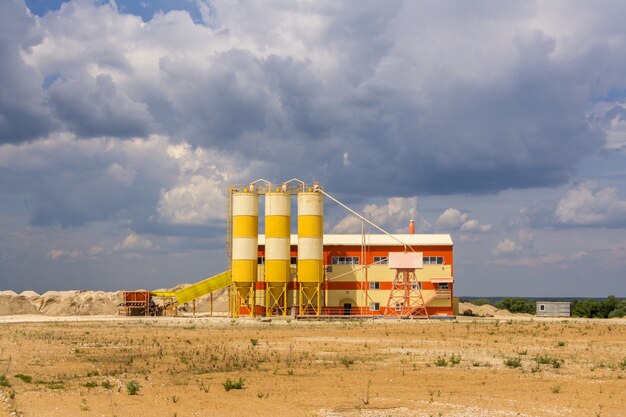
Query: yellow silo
x=245, y=211
x=310, y=249
x=277, y=245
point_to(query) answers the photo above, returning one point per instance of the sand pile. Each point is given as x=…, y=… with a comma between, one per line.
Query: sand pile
x=60, y=303
x=79, y=303
x=88, y=303
x=485, y=310
x=12, y=303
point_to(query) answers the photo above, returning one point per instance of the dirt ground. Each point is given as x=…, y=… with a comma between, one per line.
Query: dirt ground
x=469, y=367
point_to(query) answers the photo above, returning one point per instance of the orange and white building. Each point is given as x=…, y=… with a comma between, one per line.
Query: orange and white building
x=358, y=279
x=316, y=274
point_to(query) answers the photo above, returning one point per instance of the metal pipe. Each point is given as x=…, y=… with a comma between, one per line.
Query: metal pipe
x=366, y=220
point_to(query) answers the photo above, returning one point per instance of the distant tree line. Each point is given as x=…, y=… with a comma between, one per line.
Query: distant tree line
x=608, y=308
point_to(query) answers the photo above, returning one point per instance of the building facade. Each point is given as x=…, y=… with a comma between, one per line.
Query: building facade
x=359, y=279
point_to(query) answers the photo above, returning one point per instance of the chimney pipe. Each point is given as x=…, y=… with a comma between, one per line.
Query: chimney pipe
x=411, y=227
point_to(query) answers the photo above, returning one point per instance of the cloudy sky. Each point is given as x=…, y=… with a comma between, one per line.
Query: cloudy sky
x=502, y=123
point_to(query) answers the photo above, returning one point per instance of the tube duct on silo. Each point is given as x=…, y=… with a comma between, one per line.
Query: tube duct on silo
x=310, y=234
x=277, y=235
x=245, y=211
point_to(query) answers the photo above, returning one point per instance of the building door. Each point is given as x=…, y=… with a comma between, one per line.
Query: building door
x=347, y=308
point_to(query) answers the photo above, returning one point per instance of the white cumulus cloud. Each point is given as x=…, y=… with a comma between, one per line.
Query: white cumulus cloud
x=134, y=242
x=393, y=217
x=587, y=204
x=508, y=247
x=455, y=219
x=57, y=254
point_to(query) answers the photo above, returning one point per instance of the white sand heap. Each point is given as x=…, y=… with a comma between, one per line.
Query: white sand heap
x=485, y=310
x=87, y=303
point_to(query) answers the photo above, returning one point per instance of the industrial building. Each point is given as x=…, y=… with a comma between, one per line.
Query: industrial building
x=316, y=274
x=311, y=274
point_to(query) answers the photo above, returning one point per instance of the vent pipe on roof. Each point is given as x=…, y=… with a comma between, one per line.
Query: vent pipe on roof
x=411, y=227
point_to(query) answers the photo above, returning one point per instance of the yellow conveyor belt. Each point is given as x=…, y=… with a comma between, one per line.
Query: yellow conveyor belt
x=198, y=289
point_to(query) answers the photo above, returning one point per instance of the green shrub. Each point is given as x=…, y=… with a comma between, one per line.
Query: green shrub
x=556, y=363
x=345, y=361
x=26, y=378
x=229, y=384
x=590, y=308
x=441, y=362
x=107, y=384
x=4, y=382
x=90, y=385
x=517, y=305
x=133, y=387
x=455, y=360
x=547, y=360
x=513, y=362
x=254, y=342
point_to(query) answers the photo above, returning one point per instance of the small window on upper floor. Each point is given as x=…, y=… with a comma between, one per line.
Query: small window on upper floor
x=433, y=260
x=261, y=260
x=345, y=260
x=374, y=306
x=381, y=260
x=374, y=285
x=542, y=307
x=293, y=260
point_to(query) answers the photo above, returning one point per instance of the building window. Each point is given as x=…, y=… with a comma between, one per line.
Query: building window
x=542, y=307
x=329, y=268
x=261, y=260
x=381, y=260
x=399, y=306
x=293, y=260
x=416, y=285
x=345, y=260
x=374, y=306
x=433, y=260
x=375, y=285
x=443, y=286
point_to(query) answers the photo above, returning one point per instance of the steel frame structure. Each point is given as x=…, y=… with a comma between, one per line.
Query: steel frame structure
x=406, y=291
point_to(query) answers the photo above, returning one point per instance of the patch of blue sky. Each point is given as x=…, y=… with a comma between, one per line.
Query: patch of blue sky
x=49, y=79
x=146, y=9
x=612, y=95
x=41, y=7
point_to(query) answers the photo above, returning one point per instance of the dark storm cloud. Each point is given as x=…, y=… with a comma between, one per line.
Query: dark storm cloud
x=376, y=100
x=23, y=114
x=71, y=183
x=96, y=107
x=365, y=132
x=221, y=104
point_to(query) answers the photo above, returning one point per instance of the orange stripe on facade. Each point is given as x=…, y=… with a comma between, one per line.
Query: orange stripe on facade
x=359, y=285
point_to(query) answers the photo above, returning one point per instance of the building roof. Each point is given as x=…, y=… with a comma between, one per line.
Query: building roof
x=378, y=240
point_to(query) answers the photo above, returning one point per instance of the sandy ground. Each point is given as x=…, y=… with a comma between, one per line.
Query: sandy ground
x=80, y=366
